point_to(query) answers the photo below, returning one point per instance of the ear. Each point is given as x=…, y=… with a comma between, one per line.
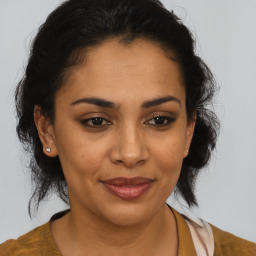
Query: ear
x=190, y=131
x=46, y=132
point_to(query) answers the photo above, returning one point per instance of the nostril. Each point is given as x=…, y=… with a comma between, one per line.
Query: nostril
x=141, y=161
x=130, y=164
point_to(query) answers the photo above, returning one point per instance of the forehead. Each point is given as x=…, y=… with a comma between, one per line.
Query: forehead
x=116, y=70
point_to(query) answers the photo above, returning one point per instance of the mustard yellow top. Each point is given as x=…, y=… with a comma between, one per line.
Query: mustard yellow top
x=40, y=242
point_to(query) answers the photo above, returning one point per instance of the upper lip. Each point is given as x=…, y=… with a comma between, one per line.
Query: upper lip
x=121, y=181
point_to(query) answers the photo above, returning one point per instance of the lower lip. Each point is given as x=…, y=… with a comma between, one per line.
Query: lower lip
x=128, y=192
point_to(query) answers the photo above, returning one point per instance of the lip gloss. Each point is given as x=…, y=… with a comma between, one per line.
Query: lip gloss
x=128, y=189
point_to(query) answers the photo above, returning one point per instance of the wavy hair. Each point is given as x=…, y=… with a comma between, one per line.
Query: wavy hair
x=74, y=27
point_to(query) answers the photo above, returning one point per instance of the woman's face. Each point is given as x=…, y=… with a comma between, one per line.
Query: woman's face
x=121, y=131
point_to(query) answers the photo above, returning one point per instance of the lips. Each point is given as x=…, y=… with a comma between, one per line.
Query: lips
x=128, y=189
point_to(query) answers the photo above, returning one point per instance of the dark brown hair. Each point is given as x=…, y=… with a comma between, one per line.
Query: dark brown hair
x=80, y=24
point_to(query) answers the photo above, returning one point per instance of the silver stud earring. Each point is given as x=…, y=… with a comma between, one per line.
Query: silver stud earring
x=187, y=151
x=48, y=150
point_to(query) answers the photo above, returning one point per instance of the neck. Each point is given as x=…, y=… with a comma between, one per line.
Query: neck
x=89, y=233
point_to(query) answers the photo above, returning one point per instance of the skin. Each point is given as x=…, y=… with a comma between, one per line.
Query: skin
x=128, y=143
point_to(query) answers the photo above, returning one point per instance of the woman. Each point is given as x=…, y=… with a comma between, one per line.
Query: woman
x=113, y=107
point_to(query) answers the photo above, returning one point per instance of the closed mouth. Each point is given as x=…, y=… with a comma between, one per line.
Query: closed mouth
x=128, y=188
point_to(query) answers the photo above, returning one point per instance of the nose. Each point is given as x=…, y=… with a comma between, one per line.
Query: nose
x=129, y=148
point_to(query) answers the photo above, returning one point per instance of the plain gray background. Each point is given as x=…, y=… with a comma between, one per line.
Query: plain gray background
x=226, y=40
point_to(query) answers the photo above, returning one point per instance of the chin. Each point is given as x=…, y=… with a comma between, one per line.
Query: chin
x=129, y=214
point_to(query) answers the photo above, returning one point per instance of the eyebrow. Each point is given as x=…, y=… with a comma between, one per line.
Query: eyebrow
x=159, y=101
x=108, y=104
x=96, y=101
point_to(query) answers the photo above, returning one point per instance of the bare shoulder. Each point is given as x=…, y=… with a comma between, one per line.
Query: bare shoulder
x=227, y=244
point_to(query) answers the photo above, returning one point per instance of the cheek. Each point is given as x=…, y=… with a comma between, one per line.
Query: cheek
x=79, y=155
x=168, y=157
x=170, y=160
x=169, y=163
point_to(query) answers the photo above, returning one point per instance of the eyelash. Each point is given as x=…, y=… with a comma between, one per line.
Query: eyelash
x=167, y=121
x=86, y=122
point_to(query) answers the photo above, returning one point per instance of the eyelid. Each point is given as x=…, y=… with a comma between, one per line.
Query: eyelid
x=85, y=122
x=170, y=117
x=167, y=114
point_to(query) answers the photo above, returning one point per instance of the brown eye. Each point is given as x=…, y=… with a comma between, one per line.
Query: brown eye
x=95, y=122
x=161, y=120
